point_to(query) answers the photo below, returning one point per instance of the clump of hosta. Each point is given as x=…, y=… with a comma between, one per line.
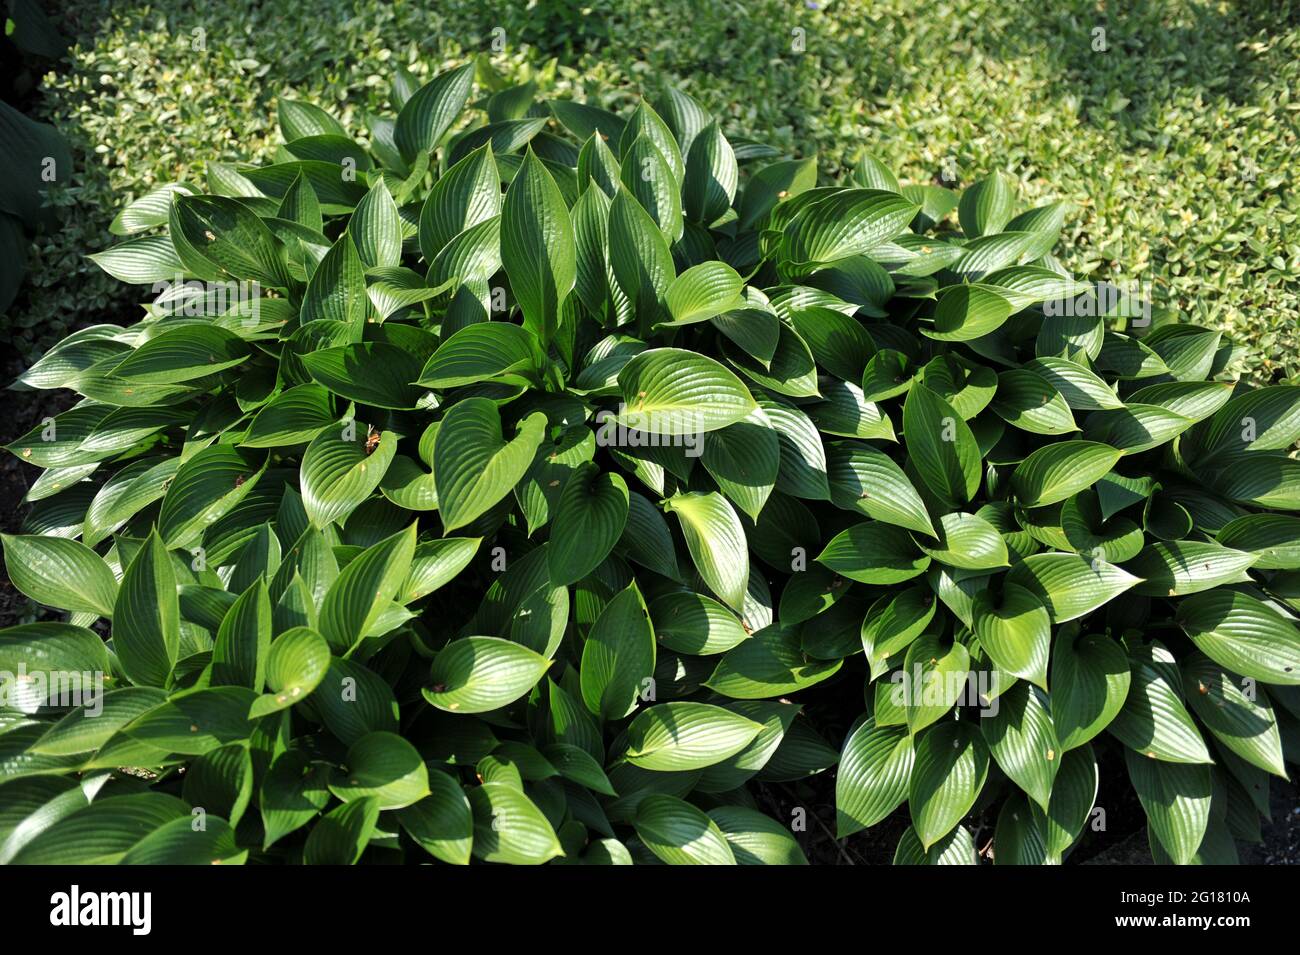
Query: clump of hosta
x=513, y=486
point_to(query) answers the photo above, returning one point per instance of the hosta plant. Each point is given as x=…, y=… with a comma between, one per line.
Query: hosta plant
x=528, y=482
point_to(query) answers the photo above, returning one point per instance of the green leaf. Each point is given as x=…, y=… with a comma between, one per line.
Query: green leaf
x=711, y=176
x=431, y=110
x=874, y=772
x=467, y=194
x=770, y=663
x=703, y=292
x=376, y=228
x=481, y=352
x=744, y=460
x=1240, y=719
x=652, y=181
x=244, y=639
x=716, y=541
x=874, y=553
x=847, y=223
x=146, y=636
x=987, y=206
x=292, y=793
x=935, y=674
x=1154, y=721
x=509, y=827
x=371, y=373
x=941, y=446
x=183, y=354
x=537, y=246
x=677, y=737
x=358, y=597
x=336, y=291
x=207, y=486
x=479, y=674
x=692, y=623
x=473, y=466
x=1090, y=682
x=757, y=839
x=1020, y=736
x=294, y=416
x=1177, y=802
x=952, y=763
x=195, y=722
x=671, y=391
x=639, y=257
x=966, y=312
x=441, y=823
x=231, y=238
x=867, y=480
x=385, y=767
x=1014, y=628
x=967, y=541
x=103, y=832
x=60, y=573
x=1243, y=634
x=298, y=660
x=1058, y=471
x=619, y=656
x=340, y=470
x=680, y=834
x=589, y=520
x=342, y=835
x=1068, y=585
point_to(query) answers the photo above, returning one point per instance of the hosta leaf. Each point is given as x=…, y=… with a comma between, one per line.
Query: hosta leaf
x=341, y=468
x=147, y=635
x=206, y=487
x=1240, y=718
x=967, y=541
x=744, y=460
x=537, y=246
x=872, y=781
x=360, y=594
x=1022, y=740
x=474, y=467
x=1090, y=682
x=509, y=827
x=441, y=823
x=987, y=206
x=376, y=228
x=674, y=737
x=941, y=446
x=385, y=767
x=481, y=352
x=431, y=110
x=952, y=763
x=680, y=834
x=371, y=373
x=1058, y=471
x=244, y=639
x=60, y=573
x=296, y=663
x=1154, y=722
x=478, y=674
x=874, y=553
x=1068, y=585
x=716, y=541
x=692, y=623
x=1177, y=802
x=182, y=354
x=711, y=176
x=935, y=674
x=231, y=238
x=618, y=658
x=703, y=292
x=589, y=519
x=103, y=832
x=342, y=834
x=1243, y=634
x=770, y=663
x=1014, y=628
x=867, y=480
x=670, y=391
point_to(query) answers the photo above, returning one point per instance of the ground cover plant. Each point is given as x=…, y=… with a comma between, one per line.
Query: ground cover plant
x=499, y=482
